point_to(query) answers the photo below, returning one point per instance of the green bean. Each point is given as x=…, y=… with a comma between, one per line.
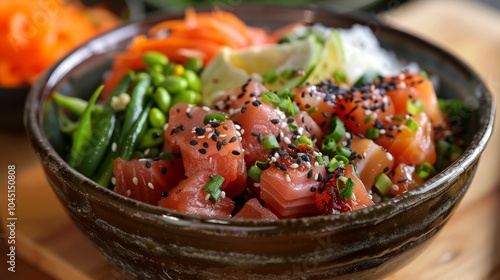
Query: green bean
x=194, y=64
x=135, y=135
x=136, y=104
x=74, y=105
x=162, y=99
x=101, y=137
x=152, y=58
x=192, y=79
x=174, y=84
x=152, y=138
x=126, y=147
x=66, y=125
x=187, y=96
x=83, y=133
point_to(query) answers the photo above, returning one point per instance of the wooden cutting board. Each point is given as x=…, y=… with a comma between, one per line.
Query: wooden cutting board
x=467, y=248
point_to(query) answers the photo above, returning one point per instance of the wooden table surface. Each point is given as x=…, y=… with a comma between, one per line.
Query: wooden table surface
x=49, y=246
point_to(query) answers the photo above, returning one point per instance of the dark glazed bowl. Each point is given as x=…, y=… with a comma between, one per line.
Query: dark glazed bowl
x=153, y=242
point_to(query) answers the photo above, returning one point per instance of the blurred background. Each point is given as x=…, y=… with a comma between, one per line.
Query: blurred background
x=467, y=248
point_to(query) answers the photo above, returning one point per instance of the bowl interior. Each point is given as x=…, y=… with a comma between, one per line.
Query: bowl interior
x=82, y=71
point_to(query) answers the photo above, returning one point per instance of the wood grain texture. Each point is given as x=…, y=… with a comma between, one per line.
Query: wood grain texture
x=467, y=248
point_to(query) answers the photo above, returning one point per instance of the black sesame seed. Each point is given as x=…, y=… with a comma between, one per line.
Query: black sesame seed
x=156, y=135
x=260, y=138
x=202, y=151
x=320, y=177
x=219, y=145
x=188, y=114
x=386, y=169
x=283, y=167
x=275, y=121
x=216, y=132
x=325, y=115
x=290, y=120
x=402, y=180
x=310, y=174
x=232, y=139
x=148, y=164
x=205, y=145
x=256, y=103
x=235, y=152
x=312, y=189
x=178, y=110
x=214, y=124
x=163, y=170
x=164, y=194
x=193, y=142
x=214, y=137
x=224, y=142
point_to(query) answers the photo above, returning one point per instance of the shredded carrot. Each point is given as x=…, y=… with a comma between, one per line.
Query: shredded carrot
x=34, y=34
x=200, y=35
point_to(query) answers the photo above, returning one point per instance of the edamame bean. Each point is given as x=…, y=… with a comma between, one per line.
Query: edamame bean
x=192, y=79
x=194, y=64
x=157, y=78
x=187, y=96
x=174, y=84
x=169, y=69
x=163, y=99
x=157, y=118
x=152, y=137
x=152, y=58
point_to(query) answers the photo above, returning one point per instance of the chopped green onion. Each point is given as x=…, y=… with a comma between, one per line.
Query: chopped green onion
x=424, y=74
x=426, y=170
x=254, y=172
x=346, y=192
x=340, y=77
x=320, y=160
x=169, y=155
x=397, y=118
x=285, y=92
x=412, y=124
x=414, y=107
x=270, y=142
x=293, y=127
x=213, y=187
x=271, y=98
x=383, y=184
x=368, y=119
x=341, y=159
x=256, y=169
x=218, y=117
x=366, y=78
x=343, y=151
x=337, y=128
x=304, y=140
x=271, y=76
x=287, y=74
x=372, y=133
x=312, y=110
x=328, y=145
x=333, y=164
x=443, y=147
x=455, y=152
x=289, y=107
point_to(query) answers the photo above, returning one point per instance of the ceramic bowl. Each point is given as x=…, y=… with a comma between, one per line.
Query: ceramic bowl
x=153, y=243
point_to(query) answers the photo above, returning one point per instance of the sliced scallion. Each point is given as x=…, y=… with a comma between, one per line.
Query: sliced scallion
x=213, y=187
x=383, y=184
x=415, y=106
x=270, y=143
x=343, y=151
x=426, y=170
x=304, y=140
x=218, y=117
x=312, y=110
x=347, y=190
x=271, y=98
x=411, y=124
x=341, y=159
x=372, y=133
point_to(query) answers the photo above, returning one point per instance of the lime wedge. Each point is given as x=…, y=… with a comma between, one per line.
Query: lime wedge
x=231, y=69
x=332, y=58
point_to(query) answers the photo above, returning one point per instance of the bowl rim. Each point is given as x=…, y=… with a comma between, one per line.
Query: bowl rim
x=433, y=187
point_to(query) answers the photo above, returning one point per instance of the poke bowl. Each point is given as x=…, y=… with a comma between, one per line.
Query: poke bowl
x=152, y=242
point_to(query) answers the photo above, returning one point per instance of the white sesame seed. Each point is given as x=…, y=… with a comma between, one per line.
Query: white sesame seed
x=237, y=126
x=395, y=187
x=389, y=156
x=151, y=186
x=238, y=133
x=300, y=131
x=135, y=181
x=273, y=159
x=242, y=131
x=401, y=76
x=374, y=116
x=294, y=165
x=146, y=152
x=382, y=131
x=208, y=129
x=288, y=179
x=113, y=147
x=257, y=185
x=165, y=127
x=308, y=164
x=201, y=137
x=232, y=97
x=316, y=163
x=368, y=112
x=222, y=135
x=276, y=155
x=316, y=177
x=283, y=124
x=210, y=159
x=142, y=159
x=287, y=140
x=128, y=192
x=113, y=180
x=206, y=108
x=207, y=197
x=210, y=135
x=222, y=194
